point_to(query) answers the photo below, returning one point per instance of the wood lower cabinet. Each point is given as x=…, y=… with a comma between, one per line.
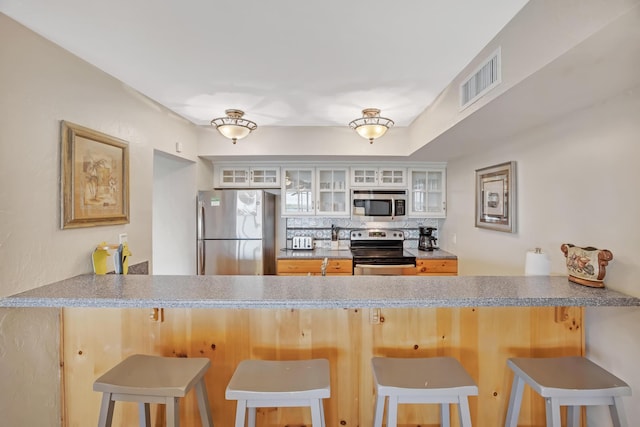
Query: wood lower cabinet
x=303, y=267
x=481, y=338
x=437, y=267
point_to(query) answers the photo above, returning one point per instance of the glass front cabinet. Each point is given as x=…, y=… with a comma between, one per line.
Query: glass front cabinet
x=378, y=177
x=298, y=191
x=333, y=191
x=243, y=176
x=427, y=190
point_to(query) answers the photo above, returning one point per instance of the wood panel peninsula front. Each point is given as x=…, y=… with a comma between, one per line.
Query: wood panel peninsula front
x=479, y=320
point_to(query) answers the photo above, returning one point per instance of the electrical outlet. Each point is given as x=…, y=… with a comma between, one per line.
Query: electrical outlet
x=122, y=238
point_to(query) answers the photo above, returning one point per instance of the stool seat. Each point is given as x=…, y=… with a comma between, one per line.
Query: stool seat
x=153, y=379
x=273, y=383
x=440, y=380
x=572, y=381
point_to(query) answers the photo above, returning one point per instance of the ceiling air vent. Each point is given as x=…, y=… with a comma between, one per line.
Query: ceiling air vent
x=482, y=80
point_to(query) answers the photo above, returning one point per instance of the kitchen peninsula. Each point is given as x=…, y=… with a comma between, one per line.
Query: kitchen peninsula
x=479, y=320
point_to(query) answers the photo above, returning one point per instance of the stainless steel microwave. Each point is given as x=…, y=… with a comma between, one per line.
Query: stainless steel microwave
x=378, y=205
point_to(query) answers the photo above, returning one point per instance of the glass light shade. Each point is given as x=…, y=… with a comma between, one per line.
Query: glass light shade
x=371, y=132
x=234, y=126
x=233, y=132
x=371, y=125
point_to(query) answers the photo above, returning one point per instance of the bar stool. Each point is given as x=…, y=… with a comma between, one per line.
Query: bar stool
x=271, y=383
x=154, y=379
x=440, y=380
x=566, y=381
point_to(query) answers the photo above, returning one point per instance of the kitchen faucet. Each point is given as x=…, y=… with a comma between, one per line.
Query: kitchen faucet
x=323, y=267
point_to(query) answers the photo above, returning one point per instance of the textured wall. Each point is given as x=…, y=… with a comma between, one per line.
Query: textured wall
x=42, y=84
x=577, y=183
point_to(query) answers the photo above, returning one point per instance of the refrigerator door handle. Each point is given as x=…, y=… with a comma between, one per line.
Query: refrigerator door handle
x=200, y=231
x=201, y=262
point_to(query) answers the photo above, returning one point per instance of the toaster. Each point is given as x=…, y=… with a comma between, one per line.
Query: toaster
x=302, y=242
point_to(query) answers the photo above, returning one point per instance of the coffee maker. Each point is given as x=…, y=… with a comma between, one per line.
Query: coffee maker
x=427, y=241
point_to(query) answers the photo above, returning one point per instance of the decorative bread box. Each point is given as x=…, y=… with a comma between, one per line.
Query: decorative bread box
x=586, y=266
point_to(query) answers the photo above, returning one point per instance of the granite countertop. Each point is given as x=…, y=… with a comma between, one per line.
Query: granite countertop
x=345, y=253
x=298, y=292
x=435, y=254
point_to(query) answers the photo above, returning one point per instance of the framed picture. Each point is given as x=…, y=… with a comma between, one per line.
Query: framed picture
x=95, y=178
x=496, y=197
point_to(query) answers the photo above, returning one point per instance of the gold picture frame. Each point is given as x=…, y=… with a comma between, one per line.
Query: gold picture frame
x=95, y=178
x=496, y=197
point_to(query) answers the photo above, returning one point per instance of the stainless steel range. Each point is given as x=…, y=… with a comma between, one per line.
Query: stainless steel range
x=380, y=252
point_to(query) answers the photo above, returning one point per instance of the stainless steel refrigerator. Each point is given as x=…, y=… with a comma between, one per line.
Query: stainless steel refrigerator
x=236, y=232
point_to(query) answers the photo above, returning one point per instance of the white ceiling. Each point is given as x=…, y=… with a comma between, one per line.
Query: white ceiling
x=284, y=62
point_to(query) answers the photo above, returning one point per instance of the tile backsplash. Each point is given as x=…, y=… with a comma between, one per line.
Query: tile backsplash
x=320, y=229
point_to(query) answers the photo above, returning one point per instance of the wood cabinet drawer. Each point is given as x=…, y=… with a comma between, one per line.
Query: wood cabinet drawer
x=314, y=266
x=437, y=267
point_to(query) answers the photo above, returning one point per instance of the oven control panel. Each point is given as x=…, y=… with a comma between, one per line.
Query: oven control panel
x=377, y=235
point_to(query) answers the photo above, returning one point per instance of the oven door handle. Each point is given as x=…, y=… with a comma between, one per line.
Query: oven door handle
x=385, y=265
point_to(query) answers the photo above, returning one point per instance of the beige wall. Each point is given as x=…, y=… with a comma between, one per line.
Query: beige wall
x=540, y=33
x=577, y=183
x=576, y=178
x=41, y=84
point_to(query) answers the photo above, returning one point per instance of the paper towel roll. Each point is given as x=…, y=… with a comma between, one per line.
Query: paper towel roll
x=537, y=264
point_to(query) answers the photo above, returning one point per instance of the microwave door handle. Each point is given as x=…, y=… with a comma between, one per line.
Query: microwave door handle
x=393, y=207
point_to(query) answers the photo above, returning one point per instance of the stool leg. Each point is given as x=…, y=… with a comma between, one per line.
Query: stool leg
x=445, y=415
x=173, y=412
x=392, y=412
x=144, y=414
x=316, y=413
x=241, y=410
x=463, y=411
x=203, y=404
x=553, y=412
x=377, y=418
x=573, y=416
x=106, y=411
x=515, y=400
x=617, y=413
x=323, y=421
x=252, y=416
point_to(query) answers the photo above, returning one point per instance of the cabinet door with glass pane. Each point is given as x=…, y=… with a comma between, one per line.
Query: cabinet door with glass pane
x=427, y=193
x=264, y=177
x=298, y=191
x=364, y=177
x=392, y=177
x=232, y=176
x=332, y=195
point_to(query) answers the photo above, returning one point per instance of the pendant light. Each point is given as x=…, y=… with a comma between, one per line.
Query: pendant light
x=234, y=126
x=371, y=126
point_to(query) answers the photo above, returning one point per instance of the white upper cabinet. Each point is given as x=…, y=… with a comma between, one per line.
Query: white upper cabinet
x=298, y=191
x=427, y=192
x=367, y=176
x=332, y=195
x=315, y=191
x=245, y=176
